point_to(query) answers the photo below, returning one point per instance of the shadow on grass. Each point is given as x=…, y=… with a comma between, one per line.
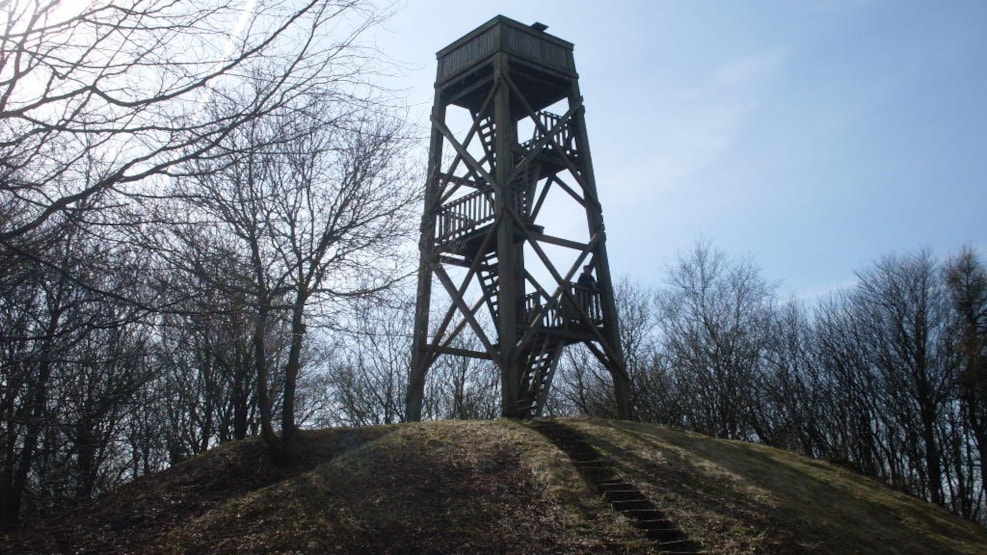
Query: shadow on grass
x=794, y=504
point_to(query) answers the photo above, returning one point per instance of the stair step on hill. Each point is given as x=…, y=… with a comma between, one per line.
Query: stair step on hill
x=613, y=485
x=657, y=524
x=632, y=505
x=623, y=495
x=645, y=515
x=679, y=547
x=593, y=463
x=666, y=536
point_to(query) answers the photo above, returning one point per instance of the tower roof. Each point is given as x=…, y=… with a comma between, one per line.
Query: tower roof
x=526, y=43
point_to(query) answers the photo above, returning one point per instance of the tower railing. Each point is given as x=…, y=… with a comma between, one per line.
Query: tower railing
x=551, y=316
x=559, y=313
x=589, y=299
x=462, y=216
x=563, y=137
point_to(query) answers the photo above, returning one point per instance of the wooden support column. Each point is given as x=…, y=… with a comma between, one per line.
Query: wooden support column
x=601, y=263
x=427, y=257
x=510, y=251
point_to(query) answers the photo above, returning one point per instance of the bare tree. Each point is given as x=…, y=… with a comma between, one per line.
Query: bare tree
x=714, y=316
x=308, y=207
x=885, y=356
x=585, y=387
x=792, y=400
x=101, y=104
x=370, y=373
x=96, y=96
x=204, y=363
x=93, y=390
x=69, y=358
x=464, y=388
x=902, y=309
x=966, y=282
x=653, y=383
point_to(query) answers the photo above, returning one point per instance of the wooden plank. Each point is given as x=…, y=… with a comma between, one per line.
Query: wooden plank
x=462, y=352
x=552, y=240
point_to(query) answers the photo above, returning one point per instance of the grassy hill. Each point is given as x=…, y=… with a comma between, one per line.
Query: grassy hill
x=503, y=487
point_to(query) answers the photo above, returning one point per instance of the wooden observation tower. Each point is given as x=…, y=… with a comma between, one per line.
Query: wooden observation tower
x=511, y=219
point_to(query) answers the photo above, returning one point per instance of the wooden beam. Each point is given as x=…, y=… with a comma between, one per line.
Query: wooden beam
x=552, y=240
x=465, y=310
x=440, y=349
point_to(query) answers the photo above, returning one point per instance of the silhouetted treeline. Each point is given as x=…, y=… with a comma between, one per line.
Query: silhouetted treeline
x=192, y=196
x=887, y=376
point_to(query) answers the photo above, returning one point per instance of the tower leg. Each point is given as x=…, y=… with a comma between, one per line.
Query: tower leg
x=420, y=356
x=510, y=255
x=622, y=395
x=419, y=352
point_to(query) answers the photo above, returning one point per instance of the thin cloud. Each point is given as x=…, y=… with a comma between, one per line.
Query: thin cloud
x=699, y=123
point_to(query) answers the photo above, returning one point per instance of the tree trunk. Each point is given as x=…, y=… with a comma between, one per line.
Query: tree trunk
x=274, y=443
x=292, y=368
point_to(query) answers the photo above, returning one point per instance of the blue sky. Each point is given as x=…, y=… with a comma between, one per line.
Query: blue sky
x=814, y=137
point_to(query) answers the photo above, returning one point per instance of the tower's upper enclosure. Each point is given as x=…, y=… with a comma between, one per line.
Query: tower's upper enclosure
x=539, y=63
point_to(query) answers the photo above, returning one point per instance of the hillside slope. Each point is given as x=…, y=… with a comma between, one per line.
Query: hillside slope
x=498, y=487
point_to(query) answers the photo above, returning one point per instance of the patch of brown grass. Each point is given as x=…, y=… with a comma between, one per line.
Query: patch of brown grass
x=497, y=487
x=442, y=487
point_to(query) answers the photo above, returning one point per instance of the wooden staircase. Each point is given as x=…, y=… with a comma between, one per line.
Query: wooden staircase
x=486, y=132
x=540, y=362
x=622, y=496
x=488, y=277
x=538, y=359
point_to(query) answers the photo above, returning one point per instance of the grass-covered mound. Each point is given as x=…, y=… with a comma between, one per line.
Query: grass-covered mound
x=499, y=487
